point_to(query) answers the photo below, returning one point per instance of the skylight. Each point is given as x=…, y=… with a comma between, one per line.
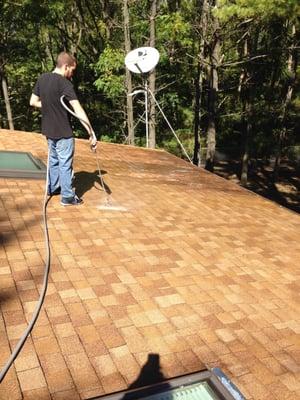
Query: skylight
x=203, y=385
x=17, y=164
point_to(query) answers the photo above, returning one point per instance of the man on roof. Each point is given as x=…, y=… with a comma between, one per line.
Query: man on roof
x=56, y=126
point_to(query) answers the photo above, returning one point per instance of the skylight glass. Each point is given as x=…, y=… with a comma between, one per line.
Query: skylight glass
x=17, y=164
x=204, y=385
x=197, y=391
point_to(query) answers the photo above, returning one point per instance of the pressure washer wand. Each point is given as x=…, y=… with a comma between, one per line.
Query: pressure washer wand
x=93, y=147
x=108, y=202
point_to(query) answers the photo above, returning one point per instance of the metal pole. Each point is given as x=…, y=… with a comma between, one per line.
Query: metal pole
x=146, y=111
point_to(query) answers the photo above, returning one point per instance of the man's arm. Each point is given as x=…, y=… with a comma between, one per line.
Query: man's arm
x=35, y=101
x=79, y=111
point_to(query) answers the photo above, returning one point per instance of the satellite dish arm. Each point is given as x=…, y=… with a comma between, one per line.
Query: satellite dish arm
x=138, y=67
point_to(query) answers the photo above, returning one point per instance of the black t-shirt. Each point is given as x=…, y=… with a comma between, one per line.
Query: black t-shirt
x=55, y=119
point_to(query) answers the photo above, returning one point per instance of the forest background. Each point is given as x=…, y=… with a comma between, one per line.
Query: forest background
x=227, y=80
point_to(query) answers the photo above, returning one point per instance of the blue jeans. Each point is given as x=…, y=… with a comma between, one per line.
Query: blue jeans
x=60, y=165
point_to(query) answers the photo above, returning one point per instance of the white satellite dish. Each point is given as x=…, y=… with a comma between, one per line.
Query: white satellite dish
x=142, y=60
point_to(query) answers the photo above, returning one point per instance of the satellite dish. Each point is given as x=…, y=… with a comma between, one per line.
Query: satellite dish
x=142, y=60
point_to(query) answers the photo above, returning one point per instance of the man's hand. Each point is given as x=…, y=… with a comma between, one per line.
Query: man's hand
x=35, y=101
x=93, y=141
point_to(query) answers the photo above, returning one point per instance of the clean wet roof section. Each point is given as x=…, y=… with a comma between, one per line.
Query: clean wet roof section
x=196, y=271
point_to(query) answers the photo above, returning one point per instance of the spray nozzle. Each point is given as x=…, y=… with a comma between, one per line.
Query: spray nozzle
x=93, y=140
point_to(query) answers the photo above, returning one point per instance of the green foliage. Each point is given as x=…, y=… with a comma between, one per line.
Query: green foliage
x=258, y=8
x=173, y=28
x=170, y=143
x=32, y=32
x=110, y=68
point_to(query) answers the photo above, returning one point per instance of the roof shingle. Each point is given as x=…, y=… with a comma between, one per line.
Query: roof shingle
x=197, y=270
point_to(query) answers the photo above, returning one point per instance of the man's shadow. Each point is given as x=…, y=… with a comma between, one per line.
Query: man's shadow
x=150, y=375
x=84, y=181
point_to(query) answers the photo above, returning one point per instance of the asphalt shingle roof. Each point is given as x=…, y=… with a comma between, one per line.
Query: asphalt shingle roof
x=197, y=270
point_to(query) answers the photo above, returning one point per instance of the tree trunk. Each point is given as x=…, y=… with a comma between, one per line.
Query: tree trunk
x=198, y=91
x=292, y=68
x=199, y=82
x=7, y=101
x=128, y=80
x=152, y=119
x=247, y=129
x=212, y=94
x=244, y=92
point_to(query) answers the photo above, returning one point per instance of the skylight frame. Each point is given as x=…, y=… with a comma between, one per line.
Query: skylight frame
x=38, y=171
x=186, y=380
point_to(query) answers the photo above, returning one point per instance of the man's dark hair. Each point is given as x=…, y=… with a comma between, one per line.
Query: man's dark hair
x=65, y=58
